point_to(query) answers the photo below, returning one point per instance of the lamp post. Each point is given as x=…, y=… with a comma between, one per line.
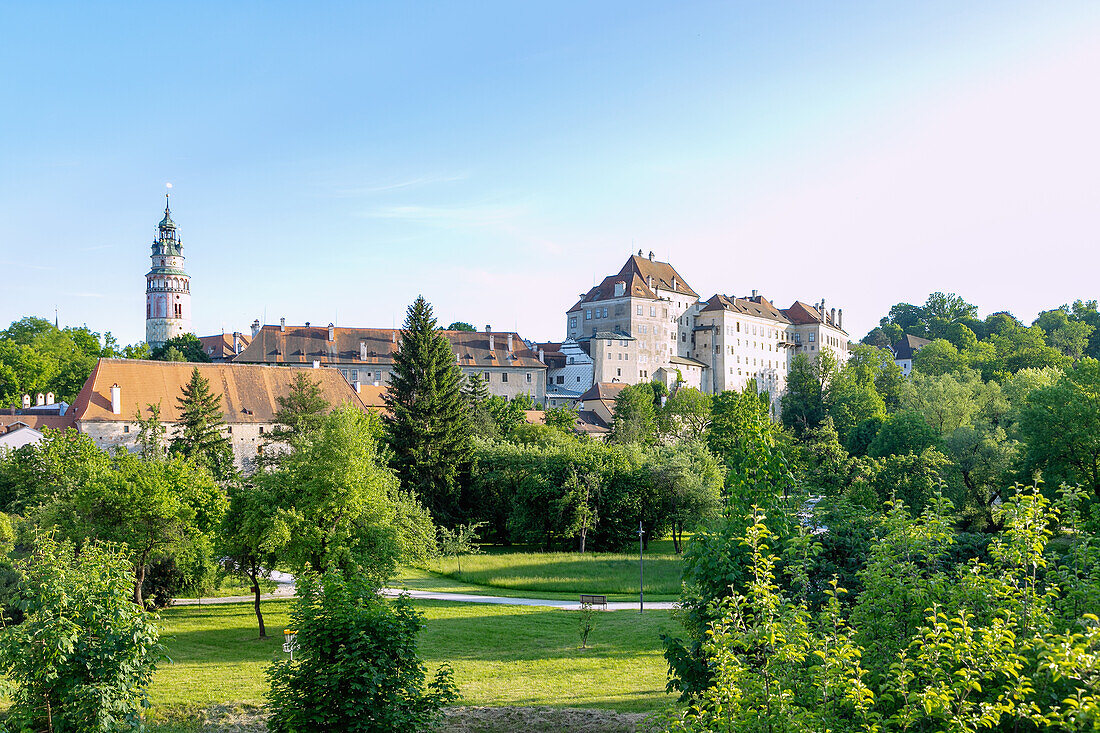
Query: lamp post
x=641, y=572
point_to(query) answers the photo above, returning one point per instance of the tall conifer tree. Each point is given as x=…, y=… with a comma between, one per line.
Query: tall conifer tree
x=200, y=434
x=427, y=422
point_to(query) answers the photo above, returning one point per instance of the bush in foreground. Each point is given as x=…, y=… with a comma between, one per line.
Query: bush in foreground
x=356, y=668
x=84, y=655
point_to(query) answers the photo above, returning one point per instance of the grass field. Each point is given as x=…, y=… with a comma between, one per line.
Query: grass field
x=501, y=655
x=543, y=574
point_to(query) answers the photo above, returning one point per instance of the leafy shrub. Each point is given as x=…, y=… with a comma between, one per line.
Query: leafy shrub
x=163, y=582
x=84, y=655
x=356, y=667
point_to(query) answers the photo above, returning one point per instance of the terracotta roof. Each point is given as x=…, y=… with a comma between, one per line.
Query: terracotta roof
x=603, y=391
x=220, y=345
x=663, y=275
x=54, y=422
x=373, y=396
x=248, y=391
x=634, y=285
x=803, y=313
x=757, y=306
x=535, y=417
x=305, y=344
x=909, y=345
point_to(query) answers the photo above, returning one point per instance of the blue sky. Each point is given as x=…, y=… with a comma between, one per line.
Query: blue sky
x=331, y=161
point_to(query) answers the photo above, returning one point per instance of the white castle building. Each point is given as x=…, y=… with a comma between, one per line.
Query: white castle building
x=167, y=286
x=645, y=323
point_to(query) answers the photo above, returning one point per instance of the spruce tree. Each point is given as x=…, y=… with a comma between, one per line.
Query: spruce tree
x=476, y=395
x=200, y=434
x=300, y=411
x=427, y=422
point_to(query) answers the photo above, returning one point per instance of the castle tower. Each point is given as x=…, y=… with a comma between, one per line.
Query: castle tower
x=167, y=286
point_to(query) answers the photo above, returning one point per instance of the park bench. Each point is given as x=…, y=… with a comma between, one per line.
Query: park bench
x=594, y=600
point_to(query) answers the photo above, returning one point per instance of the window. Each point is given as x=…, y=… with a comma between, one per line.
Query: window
x=261, y=430
x=588, y=315
x=528, y=377
x=573, y=322
x=653, y=310
x=605, y=312
x=811, y=338
x=355, y=375
x=485, y=376
x=597, y=313
x=504, y=377
x=618, y=372
x=639, y=310
x=609, y=343
x=561, y=380
x=609, y=356
x=125, y=428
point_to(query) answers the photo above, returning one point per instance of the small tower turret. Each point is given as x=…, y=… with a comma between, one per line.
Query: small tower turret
x=167, y=286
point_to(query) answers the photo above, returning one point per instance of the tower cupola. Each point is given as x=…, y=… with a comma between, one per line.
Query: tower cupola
x=167, y=285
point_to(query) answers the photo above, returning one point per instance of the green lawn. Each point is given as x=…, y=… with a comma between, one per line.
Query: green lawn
x=501, y=655
x=511, y=571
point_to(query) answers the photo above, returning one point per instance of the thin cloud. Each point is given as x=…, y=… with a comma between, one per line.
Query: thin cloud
x=472, y=215
x=11, y=263
x=418, y=182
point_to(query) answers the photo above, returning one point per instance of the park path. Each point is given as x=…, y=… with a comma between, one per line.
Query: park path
x=286, y=590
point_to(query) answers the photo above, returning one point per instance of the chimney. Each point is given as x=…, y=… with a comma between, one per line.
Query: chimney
x=316, y=364
x=307, y=324
x=394, y=336
x=26, y=401
x=832, y=316
x=651, y=255
x=362, y=351
x=116, y=399
x=840, y=319
x=492, y=343
x=754, y=293
x=639, y=253
x=673, y=283
x=39, y=399
x=542, y=356
x=357, y=386
x=236, y=342
x=255, y=327
x=282, y=324
x=509, y=343
x=331, y=332
x=49, y=398
x=488, y=328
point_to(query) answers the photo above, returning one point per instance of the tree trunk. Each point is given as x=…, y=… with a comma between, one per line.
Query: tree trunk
x=584, y=535
x=139, y=573
x=253, y=575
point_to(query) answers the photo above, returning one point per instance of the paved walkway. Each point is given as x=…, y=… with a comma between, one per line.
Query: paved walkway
x=286, y=590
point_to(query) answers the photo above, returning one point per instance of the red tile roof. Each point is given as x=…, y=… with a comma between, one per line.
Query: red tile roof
x=248, y=391
x=305, y=344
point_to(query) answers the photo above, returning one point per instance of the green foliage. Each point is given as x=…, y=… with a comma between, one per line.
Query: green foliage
x=939, y=357
x=335, y=504
x=155, y=507
x=804, y=401
x=636, y=414
x=462, y=540
x=356, y=668
x=185, y=347
x=250, y=541
x=690, y=479
x=37, y=357
x=902, y=433
x=300, y=411
x=84, y=655
x=586, y=619
x=476, y=396
x=685, y=415
x=460, y=326
x=927, y=647
x=199, y=436
x=562, y=418
x=426, y=421
x=1060, y=426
